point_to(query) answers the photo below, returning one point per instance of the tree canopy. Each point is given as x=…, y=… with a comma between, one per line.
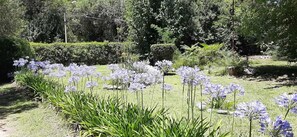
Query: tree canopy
x=255, y=24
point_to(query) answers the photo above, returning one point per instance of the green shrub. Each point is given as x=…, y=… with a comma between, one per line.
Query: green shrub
x=209, y=56
x=11, y=49
x=199, y=56
x=91, y=53
x=162, y=51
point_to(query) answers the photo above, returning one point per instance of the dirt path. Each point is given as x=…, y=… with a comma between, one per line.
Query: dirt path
x=20, y=116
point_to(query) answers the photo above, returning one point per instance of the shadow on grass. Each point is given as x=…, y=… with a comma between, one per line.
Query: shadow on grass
x=285, y=75
x=15, y=100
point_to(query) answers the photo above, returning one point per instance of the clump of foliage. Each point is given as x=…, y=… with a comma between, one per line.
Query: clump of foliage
x=11, y=49
x=161, y=52
x=83, y=53
x=209, y=56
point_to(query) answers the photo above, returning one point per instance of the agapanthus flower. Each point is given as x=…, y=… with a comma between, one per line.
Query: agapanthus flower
x=252, y=110
x=89, y=70
x=216, y=91
x=58, y=74
x=73, y=79
x=140, y=67
x=73, y=67
x=236, y=88
x=121, y=76
x=166, y=87
x=288, y=101
x=91, y=84
x=70, y=88
x=277, y=128
x=113, y=67
x=33, y=66
x=20, y=62
x=56, y=66
x=164, y=65
x=136, y=87
x=146, y=78
x=97, y=74
x=192, y=76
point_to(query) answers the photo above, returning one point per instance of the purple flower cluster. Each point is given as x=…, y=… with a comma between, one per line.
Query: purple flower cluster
x=288, y=101
x=164, y=65
x=192, y=76
x=236, y=88
x=140, y=67
x=113, y=67
x=91, y=84
x=74, y=79
x=20, y=62
x=76, y=72
x=252, y=110
x=70, y=88
x=277, y=128
x=136, y=87
x=216, y=91
x=140, y=75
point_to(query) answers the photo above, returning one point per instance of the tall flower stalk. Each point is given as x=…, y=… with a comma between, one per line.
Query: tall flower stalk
x=192, y=77
x=236, y=90
x=164, y=66
x=289, y=102
x=253, y=111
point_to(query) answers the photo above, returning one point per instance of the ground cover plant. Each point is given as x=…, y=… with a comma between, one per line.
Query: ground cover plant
x=146, y=93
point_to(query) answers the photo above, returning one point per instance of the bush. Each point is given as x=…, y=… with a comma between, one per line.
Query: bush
x=162, y=52
x=208, y=56
x=11, y=49
x=92, y=53
x=199, y=56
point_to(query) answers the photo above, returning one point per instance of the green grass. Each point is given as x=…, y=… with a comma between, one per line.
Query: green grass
x=23, y=117
x=264, y=91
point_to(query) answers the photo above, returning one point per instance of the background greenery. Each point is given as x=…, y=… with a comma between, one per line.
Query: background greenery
x=258, y=25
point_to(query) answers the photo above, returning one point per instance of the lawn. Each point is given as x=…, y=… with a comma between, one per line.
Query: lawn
x=267, y=83
x=256, y=88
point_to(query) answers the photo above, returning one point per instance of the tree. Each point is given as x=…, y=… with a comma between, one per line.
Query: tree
x=98, y=20
x=177, y=18
x=274, y=23
x=213, y=21
x=141, y=15
x=45, y=22
x=10, y=17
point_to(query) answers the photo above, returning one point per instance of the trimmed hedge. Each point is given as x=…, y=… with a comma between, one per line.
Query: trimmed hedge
x=11, y=49
x=91, y=53
x=162, y=51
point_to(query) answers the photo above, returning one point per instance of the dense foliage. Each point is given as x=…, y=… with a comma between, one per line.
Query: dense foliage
x=162, y=52
x=10, y=22
x=254, y=25
x=44, y=20
x=209, y=56
x=91, y=53
x=11, y=49
x=273, y=22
